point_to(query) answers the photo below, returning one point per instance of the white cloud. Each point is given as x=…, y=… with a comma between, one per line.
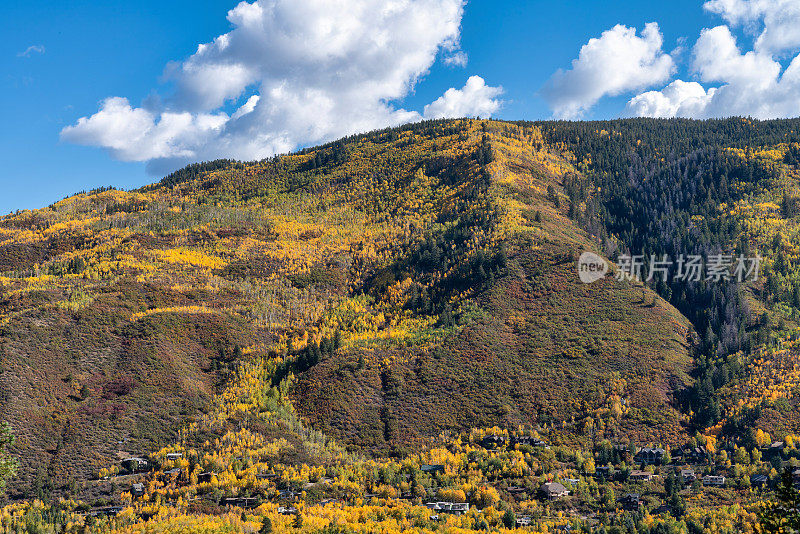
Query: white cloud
x=475, y=99
x=751, y=84
x=717, y=58
x=457, y=59
x=33, y=49
x=617, y=62
x=678, y=99
x=135, y=134
x=307, y=71
x=777, y=22
x=729, y=80
x=248, y=107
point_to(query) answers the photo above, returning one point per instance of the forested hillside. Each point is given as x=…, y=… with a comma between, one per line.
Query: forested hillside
x=714, y=187
x=529, y=343
x=431, y=256
x=324, y=324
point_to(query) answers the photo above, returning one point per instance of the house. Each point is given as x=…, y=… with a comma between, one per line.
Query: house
x=759, y=481
x=287, y=494
x=134, y=465
x=692, y=455
x=796, y=476
x=604, y=471
x=553, y=490
x=137, y=489
x=432, y=468
x=688, y=476
x=630, y=501
x=775, y=446
x=714, y=480
x=650, y=456
x=572, y=481
x=326, y=502
x=172, y=456
x=456, y=508
x=524, y=521
x=205, y=477
x=173, y=472
x=530, y=441
x=641, y=476
x=241, y=502
x=106, y=511
x=287, y=510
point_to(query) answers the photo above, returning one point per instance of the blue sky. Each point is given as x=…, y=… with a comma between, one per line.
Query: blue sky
x=84, y=52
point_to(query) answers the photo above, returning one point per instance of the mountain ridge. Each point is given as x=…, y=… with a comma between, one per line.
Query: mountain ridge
x=397, y=318
x=163, y=283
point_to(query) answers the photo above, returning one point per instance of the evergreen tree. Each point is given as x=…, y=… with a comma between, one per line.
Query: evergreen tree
x=509, y=519
x=783, y=515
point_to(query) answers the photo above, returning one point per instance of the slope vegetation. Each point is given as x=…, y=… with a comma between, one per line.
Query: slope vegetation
x=397, y=284
x=530, y=344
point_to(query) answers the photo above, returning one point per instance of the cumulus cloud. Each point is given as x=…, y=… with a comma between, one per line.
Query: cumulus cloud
x=751, y=83
x=777, y=22
x=717, y=58
x=728, y=79
x=616, y=62
x=678, y=99
x=33, y=49
x=135, y=134
x=289, y=73
x=475, y=99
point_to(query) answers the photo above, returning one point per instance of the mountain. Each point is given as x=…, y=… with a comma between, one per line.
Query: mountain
x=531, y=343
x=396, y=318
x=439, y=257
